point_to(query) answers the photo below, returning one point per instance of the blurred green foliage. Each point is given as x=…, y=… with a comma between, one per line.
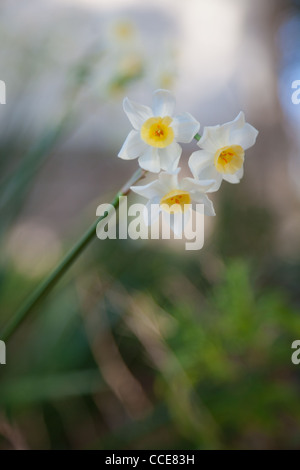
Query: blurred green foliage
x=213, y=356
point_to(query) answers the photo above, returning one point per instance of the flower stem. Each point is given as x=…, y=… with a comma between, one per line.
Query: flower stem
x=47, y=285
x=197, y=137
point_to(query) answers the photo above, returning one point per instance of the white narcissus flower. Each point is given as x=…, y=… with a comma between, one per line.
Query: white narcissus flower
x=122, y=33
x=170, y=196
x=156, y=132
x=222, y=152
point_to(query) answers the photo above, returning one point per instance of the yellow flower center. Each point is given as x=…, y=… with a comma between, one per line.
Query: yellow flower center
x=175, y=200
x=124, y=30
x=156, y=131
x=131, y=66
x=229, y=159
x=166, y=80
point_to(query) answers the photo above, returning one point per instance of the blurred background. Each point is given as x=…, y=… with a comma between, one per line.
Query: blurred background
x=144, y=345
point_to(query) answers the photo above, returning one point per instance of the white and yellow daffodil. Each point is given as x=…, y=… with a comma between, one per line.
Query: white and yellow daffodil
x=154, y=140
x=170, y=196
x=222, y=152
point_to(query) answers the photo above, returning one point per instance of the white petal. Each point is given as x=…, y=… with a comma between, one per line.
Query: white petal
x=169, y=156
x=216, y=137
x=169, y=181
x=202, y=167
x=185, y=127
x=136, y=113
x=240, y=173
x=234, y=179
x=150, y=160
x=133, y=146
x=210, y=173
x=245, y=137
x=232, y=126
x=166, y=218
x=191, y=184
x=163, y=103
x=177, y=223
x=199, y=160
x=208, y=205
x=150, y=190
x=212, y=139
x=151, y=211
x=187, y=215
x=238, y=122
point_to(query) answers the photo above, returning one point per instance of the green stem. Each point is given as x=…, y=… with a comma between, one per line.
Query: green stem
x=45, y=287
x=197, y=137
